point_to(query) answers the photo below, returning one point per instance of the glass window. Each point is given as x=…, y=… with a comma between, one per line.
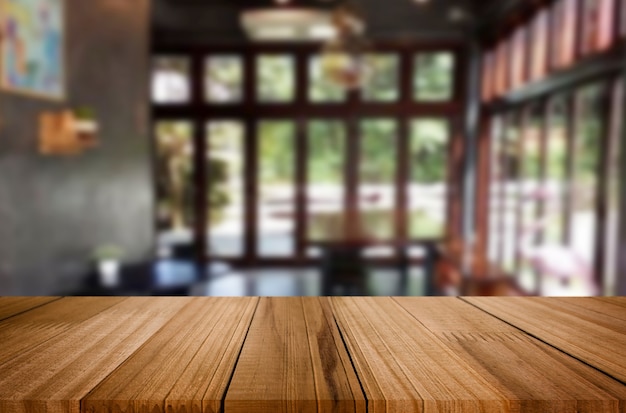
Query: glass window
x=495, y=190
x=428, y=184
x=170, y=80
x=510, y=159
x=377, y=178
x=587, y=144
x=226, y=189
x=325, y=187
x=433, y=78
x=175, y=185
x=275, y=80
x=276, y=202
x=322, y=89
x=223, y=79
x=382, y=84
x=531, y=227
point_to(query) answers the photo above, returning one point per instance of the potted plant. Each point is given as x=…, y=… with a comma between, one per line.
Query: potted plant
x=86, y=125
x=107, y=258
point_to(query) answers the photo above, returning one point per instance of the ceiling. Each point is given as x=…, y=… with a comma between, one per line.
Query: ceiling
x=217, y=21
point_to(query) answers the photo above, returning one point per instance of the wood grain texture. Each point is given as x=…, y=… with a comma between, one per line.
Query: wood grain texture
x=257, y=355
x=403, y=367
x=294, y=360
x=11, y=306
x=580, y=328
x=85, y=340
x=185, y=366
x=543, y=378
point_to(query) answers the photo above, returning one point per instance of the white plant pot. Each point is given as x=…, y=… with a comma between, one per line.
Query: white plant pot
x=109, y=272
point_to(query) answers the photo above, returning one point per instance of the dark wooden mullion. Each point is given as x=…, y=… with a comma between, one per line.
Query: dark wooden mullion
x=483, y=188
x=301, y=158
x=402, y=220
x=200, y=172
x=251, y=161
x=602, y=190
x=352, y=183
x=251, y=190
x=301, y=198
x=454, y=179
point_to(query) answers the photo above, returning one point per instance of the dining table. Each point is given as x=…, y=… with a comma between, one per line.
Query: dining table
x=312, y=354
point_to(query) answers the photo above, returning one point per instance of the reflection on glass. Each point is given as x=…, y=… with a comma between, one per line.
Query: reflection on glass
x=276, y=213
x=434, y=76
x=495, y=190
x=382, y=84
x=530, y=196
x=427, y=188
x=377, y=175
x=170, y=80
x=325, y=180
x=613, y=216
x=510, y=158
x=556, y=171
x=175, y=190
x=223, y=79
x=585, y=185
x=226, y=188
x=275, y=78
x=321, y=89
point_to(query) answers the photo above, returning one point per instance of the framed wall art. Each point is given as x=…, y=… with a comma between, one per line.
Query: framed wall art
x=33, y=47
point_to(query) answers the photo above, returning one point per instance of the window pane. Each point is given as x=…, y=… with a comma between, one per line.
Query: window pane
x=427, y=191
x=382, y=85
x=377, y=177
x=275, y=78
x=530, y=196
x=501, y=85
x=175, y=185
x=556, y=172
x=598, y=18
x=510, y=158
x=495, y=190
x=586, y=178
x=224, y=79
x=434, y=76
x=325, y=188
x=170, y=80
x=564, y=33
x=276, y=208
x=226, y=188
x=487, y=77
x=321, y=89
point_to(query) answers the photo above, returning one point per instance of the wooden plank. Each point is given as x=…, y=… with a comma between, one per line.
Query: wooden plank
x=11, y=306
x=54, y=376
x=587, y=334
x=403, y=367
x=29, y=331
x=544, y=379
x=185, y=366
x=294, y=361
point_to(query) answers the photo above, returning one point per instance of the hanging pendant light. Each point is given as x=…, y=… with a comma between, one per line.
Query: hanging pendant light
x=344, y=57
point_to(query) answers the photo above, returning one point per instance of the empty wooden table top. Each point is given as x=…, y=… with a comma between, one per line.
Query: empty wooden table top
x=252, y=355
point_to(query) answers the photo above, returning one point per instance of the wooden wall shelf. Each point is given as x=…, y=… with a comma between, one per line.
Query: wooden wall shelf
x=257, y=355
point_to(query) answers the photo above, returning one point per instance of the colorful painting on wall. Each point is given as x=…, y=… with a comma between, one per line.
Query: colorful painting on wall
x=33, y=47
